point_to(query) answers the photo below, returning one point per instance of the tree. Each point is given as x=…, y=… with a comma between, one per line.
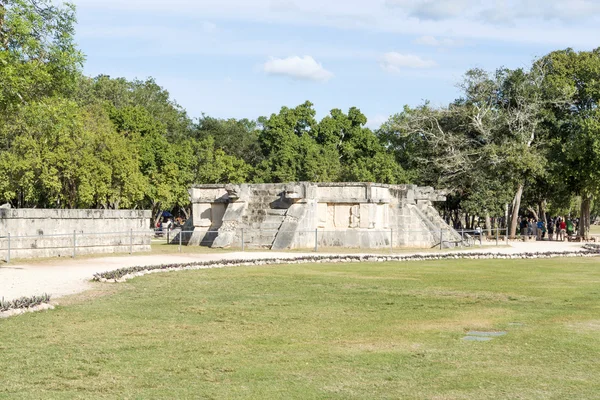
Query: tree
x=38, y=57
x=362, y=157
x=147, y=94
x=289, y=147
x=494, y=131
x=338, y=148
x=165, y=182
x=238, y=138
x=576, y=123
x=447, y=147
x=210, y=164
x=61, y=155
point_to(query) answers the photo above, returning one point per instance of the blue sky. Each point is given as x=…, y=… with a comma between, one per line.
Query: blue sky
x=247, y=58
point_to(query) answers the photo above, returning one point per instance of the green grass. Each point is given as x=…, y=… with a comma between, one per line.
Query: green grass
x=595, y=229
x=318, y=331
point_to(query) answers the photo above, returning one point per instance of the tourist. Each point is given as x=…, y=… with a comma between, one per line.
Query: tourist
x=563, y=229
x=532, y=227
x=524, y=225
x=541, y=230
x=570, y=230
x=550, y=229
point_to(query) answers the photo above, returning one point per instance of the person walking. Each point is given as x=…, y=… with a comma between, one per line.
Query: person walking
x=563, y=230
x=550, y=229
x=524, y=226
x=570, y=227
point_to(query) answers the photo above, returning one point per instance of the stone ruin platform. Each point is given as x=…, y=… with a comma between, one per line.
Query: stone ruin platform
x=301, y=215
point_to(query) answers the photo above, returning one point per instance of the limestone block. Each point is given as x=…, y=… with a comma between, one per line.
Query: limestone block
x=365, y=214
x=380, y=194
x=233, y=212
x=310, y=191
x=296, y=211
x=294, y=192
x=233, y=191
x=210, y=194
x=202, y=213
x=355, y=216
x=218, y=211
x=343, y=193
x=342, y=215
x=322, y=215
x=224, y=240
x=385, y=210
x=330, y=216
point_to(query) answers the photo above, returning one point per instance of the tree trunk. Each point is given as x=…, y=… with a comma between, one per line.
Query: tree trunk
x=488, y=223
x=535, y=214
x=584, y=220
x=467, y=226
x=157, y=214
x=514, y=220
x=543, y=210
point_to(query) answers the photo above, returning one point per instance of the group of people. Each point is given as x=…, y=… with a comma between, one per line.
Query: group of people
x=165, y=224
x=557, y=228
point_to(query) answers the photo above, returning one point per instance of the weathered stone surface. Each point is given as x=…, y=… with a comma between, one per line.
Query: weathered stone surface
x=50, y=232
x=279, y=216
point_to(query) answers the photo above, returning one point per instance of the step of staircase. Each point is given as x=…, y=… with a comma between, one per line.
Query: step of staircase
x=277, y=211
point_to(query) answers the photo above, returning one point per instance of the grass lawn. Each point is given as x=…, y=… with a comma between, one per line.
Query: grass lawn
x=338, y=331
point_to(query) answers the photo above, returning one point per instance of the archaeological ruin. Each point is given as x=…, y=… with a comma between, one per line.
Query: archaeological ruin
x=34, y=233
x=306, y=215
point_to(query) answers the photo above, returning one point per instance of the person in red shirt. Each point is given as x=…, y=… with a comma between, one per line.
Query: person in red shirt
x=563, y=230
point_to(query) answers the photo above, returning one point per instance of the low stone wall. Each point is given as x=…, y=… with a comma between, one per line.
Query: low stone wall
x=38, y=233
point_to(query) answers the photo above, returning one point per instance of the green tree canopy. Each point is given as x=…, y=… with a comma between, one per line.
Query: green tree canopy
x=38, y=56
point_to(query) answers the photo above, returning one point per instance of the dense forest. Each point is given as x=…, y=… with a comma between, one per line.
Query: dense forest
x=515, y=141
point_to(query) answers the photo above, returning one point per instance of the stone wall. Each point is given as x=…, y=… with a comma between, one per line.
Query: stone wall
x=53, y=233
x=300, y=215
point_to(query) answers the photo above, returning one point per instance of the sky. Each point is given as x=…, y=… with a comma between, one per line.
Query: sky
x=248, y=58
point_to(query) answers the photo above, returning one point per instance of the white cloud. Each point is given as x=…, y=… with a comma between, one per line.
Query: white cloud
x=303, y=68
x=395, y=62
x=283, y=5
x=209, y=27
x=434, y=10
x=511, y=13
x=429, y=40
x=437, y=10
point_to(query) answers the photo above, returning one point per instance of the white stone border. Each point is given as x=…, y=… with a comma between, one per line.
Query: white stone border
x=18, y=311
x=124, y=274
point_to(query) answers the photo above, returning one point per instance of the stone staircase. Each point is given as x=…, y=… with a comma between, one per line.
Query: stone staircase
x=270, y=226
x=434, y=217
x=433, y=222
x=263, y=218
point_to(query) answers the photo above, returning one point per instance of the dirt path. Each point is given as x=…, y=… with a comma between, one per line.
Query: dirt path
x=62, y=277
